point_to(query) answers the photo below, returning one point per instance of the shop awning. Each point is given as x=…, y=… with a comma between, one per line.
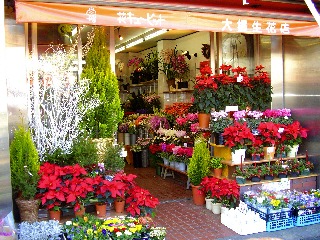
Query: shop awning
x=88, y=14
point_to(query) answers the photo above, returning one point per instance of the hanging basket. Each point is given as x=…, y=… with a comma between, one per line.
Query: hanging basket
x=28, y=210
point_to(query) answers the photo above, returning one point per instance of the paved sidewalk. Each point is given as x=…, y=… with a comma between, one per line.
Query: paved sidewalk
x=186, y=221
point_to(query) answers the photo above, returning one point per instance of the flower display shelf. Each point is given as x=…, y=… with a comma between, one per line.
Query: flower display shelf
x=307, y=216
x=276, y=221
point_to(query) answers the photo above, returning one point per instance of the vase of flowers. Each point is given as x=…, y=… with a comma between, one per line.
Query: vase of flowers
x=237, y=137
x=174, y=66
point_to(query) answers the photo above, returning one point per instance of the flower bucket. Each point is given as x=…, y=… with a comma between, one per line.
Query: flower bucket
x=133, y=138
x=216, y=208
x=293, y=151
x=255, y=179
x=181, y=166
x=144, y=158
x=269, y=152
x=126, y=138
x=305, y=172
x=120, y=137
x=237, y=154
x=268, y=177
x=165, y=161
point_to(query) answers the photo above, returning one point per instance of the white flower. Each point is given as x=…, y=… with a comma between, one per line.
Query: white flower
x=68, y=223
x=118, y=234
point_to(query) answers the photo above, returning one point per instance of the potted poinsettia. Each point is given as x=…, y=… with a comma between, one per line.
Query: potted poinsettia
x=204, y=99
x=270, y=136
x=292, y=136
x=237, y=137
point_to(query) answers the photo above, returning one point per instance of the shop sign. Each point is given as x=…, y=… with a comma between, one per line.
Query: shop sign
x=151, y=19
x=256, y=27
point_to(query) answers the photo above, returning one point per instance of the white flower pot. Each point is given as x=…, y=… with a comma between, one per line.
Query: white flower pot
x=216, y=208
x=237, y=154
x=293, y=151
x=165, y=161
x=209, y=203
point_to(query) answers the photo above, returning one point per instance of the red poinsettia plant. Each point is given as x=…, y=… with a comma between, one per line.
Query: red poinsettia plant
x=62, y=185
x=121, y=184
x=269, y=133
x=293, y=134
x=140, y=202
x=238, y=136
x=223, y=190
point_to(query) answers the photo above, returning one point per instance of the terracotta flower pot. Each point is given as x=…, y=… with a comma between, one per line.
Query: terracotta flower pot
x=101, y=210
x=198, y=196
x=119, y=206
x=217, y=172
x=80, y=212
x=204, y=120
x=28, y=210
x=55, y=215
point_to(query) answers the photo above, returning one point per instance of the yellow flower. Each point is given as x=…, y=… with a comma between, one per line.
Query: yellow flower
x=110, y=229
x=85, y=219
x=75, y=224
x=139, y=227
x=90, y=231
x=275, y=202
x=133, y=229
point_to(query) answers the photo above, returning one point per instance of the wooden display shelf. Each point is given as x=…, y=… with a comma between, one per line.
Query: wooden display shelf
x=248, y=183
x=248, y=161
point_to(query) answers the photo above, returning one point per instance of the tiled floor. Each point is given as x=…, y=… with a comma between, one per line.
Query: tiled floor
x=176, y=211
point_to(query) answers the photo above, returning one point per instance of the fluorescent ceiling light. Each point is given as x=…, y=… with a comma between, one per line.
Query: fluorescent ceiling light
x=120, y=49
x=136, y=42
x=155, y=34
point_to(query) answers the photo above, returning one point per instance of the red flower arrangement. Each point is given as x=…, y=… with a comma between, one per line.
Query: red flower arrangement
x=237, y=136
x=225, y=191
x=62, y=185
x=121, y=185
x=269, y=133
x=140, y=202
x=293, y=134
x=181, y=154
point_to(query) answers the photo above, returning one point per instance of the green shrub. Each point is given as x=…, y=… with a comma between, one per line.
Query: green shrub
x=113, y=162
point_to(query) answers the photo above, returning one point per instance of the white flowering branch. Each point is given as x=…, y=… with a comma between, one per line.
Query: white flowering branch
x=55, y=107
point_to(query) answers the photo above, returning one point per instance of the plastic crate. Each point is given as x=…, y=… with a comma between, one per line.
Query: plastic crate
x=305, y=220
x=280, y=224
x=306, y=211
x=267, y=216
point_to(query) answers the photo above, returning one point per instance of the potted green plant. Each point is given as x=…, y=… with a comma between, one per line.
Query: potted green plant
x=113, y=160
x=25, y=164
x=102, y=120
x=198, y=168
x=217, y=166
x=219, y=121
x=240, y=174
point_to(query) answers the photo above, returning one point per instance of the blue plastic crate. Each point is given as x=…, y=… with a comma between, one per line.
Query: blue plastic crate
x=305, y=220
x=280, y=224
x=306, y=211
x=267, y=216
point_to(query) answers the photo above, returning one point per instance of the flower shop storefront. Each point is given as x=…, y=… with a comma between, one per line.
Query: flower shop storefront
x=139, y=15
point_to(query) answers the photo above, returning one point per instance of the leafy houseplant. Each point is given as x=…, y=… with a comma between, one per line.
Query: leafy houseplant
x=215, y=162
x=220, y=121
x=198, y=167
x=113, y=160
x=25, y=164
x=102, y=120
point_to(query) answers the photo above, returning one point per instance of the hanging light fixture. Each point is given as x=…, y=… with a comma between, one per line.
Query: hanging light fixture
x=119, y=35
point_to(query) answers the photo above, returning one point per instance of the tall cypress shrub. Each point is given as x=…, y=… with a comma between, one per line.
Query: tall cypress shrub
x=102, y=121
